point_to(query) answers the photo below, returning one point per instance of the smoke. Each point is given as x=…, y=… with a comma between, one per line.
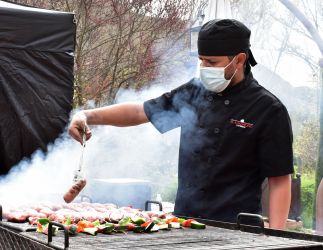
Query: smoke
x=42, y=177
x=139, y=152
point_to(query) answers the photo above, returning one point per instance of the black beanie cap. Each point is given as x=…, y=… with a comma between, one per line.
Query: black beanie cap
x=225, y=37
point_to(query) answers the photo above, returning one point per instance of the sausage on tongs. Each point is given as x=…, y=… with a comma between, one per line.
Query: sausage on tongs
x=79, y=179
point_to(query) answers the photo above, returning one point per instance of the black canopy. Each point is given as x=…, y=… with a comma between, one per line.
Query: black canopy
x=36, y=79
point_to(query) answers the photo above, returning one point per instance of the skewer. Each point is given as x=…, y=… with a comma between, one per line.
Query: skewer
x=79, y=174
x=79, y=179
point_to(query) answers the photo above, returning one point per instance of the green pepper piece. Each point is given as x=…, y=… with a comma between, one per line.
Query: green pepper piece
x=158, y=221
x=43, y=221
x=125, y=221
x=138, y=221
x=181, y=220
x=68, y=221
x=96, y=223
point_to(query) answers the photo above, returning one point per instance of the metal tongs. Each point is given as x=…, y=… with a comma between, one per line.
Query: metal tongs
x=78, y=174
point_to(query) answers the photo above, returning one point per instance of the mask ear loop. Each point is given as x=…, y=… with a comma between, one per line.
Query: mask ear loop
x=233, y=74
x=234, y=71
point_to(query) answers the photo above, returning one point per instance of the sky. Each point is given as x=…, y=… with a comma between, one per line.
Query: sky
x=293, y=69
x=266, y=42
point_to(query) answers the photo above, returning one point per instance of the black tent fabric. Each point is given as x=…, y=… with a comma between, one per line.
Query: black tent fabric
x=36, y=79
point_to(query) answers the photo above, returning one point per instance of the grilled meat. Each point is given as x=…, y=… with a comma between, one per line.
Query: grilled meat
x=74, y=191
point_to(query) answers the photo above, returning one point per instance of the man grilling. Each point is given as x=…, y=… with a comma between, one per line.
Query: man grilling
x=234, y=133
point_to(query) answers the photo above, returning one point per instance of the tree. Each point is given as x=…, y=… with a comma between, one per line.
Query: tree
x=306, y=147
x=121, y=43
x=316, y=37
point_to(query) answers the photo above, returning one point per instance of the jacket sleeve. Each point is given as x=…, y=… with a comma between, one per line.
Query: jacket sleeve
x=275, y=150
x=166, y=112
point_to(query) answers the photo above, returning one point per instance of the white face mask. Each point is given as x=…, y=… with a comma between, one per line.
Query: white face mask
x=213, y=78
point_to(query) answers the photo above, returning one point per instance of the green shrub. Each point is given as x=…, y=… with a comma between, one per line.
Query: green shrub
x=307, y=198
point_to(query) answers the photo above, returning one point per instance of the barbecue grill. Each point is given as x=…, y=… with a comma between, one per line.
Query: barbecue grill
x=217, y=235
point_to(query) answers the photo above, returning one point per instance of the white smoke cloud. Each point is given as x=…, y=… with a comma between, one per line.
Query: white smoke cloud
x=133, y=152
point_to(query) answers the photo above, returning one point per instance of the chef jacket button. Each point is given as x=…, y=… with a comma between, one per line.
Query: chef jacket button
x=210, y=98
x=197, y=153
x=216, y=130
x=226, y=102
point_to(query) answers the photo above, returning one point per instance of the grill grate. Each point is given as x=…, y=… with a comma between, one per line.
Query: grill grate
x=218, y=235
x=210, y=238
x=13, y=241
x=18, y=227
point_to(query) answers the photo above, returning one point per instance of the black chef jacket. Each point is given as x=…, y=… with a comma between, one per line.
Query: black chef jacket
x=229, y=143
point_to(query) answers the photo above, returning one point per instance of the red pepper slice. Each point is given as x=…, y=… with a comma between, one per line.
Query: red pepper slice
x=83, y=224
x=187, y=223
x=146, y=223
x=131, y=226
x=173, y=219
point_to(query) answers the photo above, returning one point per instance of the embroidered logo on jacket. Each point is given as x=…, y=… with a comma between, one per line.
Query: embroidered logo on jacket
x=241, y=123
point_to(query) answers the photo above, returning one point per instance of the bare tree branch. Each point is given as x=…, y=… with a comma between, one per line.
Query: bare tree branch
x=304, y=20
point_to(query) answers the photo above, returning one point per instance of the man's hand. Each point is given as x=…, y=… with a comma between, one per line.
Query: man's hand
x=279, y=200
x=120, y=115
x=77, y=127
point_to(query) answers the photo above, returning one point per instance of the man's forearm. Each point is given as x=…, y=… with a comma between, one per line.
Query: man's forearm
x=279, y=200
x=121, y=115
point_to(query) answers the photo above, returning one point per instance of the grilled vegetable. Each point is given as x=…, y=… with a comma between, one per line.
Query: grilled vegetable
x=120, y=229
x=72, y=229
x=106, y=228
x=130, y=226
x=187, y=223
x=138, y=229
x=96, y=223
x=91, y=230
x=197, y=225
x=43, y=221
x=164, y=226
x=157, y=220
x=155, y=228
x=148, y=226
x=175, y=225
x=172, y=219
x=68, y=221
x=147, y=223
x=42, y=226
x=139, y=221
x=181, y=220
x=81, y=225
x=125, y=221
